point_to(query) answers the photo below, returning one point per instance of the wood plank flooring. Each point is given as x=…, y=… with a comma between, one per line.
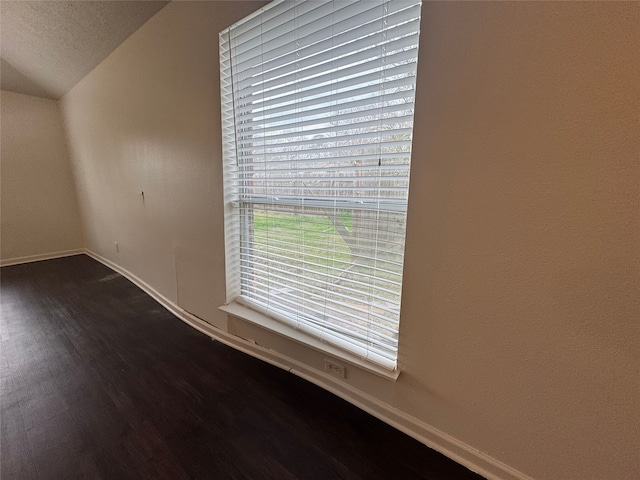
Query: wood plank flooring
x=100, y=382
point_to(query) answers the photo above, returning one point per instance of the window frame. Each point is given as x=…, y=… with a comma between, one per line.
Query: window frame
x=236, y=201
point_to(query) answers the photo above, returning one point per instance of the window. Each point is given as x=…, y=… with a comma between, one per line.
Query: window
x=317, y=109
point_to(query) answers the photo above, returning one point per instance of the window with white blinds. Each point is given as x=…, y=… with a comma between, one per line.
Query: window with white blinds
x=317, y=110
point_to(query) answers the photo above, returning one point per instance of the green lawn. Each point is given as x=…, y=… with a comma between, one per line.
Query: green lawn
x=311, y=233
x=311, y=244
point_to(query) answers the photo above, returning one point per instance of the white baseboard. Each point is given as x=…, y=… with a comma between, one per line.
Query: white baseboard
x=43, y=256
x=458, y=451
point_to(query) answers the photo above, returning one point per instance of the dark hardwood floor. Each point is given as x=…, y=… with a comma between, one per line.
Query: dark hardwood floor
x=99, y=381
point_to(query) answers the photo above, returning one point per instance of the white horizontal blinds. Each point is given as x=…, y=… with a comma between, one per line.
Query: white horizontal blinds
x=318, y=101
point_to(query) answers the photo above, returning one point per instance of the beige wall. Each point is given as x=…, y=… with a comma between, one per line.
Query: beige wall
x=38, y=204
x=519, y=331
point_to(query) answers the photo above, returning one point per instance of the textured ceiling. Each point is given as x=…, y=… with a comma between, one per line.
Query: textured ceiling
x=49, y=46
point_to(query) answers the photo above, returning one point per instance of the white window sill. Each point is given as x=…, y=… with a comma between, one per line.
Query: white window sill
x=272, y=325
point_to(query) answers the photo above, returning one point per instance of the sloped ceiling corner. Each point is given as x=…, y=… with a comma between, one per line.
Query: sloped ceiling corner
x=49, y=46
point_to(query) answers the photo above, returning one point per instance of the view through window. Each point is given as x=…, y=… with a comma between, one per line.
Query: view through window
x=318, y=100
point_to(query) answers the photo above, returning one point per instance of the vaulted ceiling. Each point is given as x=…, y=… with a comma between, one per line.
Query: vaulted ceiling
x=49, y=46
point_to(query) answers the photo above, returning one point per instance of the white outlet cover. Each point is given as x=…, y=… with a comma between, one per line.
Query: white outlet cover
x=335, y=369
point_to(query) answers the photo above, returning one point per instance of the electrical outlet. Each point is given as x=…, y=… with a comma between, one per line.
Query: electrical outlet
x=335, y=369
x=117, y=247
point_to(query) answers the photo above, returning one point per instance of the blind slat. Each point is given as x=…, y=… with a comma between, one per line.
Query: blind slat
x=336, y=58
x=396, y=76
x=320, y=40
x=341, y=311
x=385, y=113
